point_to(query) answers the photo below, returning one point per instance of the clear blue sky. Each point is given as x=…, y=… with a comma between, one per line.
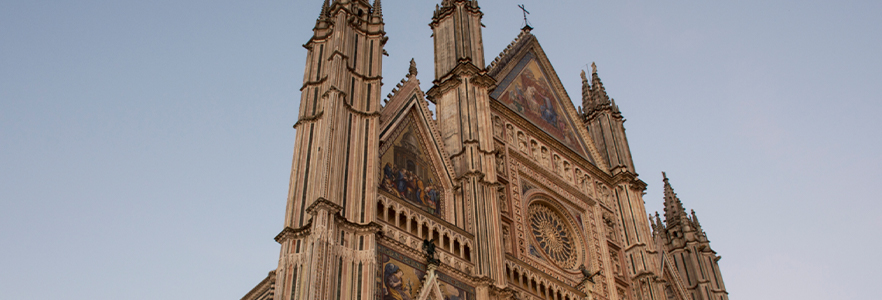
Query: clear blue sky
x=145, y=146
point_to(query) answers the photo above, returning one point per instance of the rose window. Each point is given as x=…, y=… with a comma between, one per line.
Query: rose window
x=553, y=236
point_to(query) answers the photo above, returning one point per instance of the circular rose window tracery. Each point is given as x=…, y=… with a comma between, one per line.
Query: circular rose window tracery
x=553, y=235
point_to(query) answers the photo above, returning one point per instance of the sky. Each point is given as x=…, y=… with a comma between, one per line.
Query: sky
x=145, y=146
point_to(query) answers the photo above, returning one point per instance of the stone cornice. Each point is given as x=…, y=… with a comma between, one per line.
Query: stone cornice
x=309, y=119
x=372, y=227
x=290, y=232
x=452, y=79
x=323, y=204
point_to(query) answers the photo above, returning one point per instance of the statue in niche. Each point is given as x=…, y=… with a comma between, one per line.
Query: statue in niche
x=522, y=142
x=535, y=149
x=557, y=165
x=586, y=185
x=610, y=227
x=506, y=242
x=567, y=174
x=544, y=160
x=578, y=177
x=603, y=193
x=511, y=133
x=497, y=127
x=500, y=196
x=500, y=162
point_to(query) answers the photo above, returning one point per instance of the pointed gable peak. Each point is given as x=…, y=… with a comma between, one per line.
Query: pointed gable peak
x=598, y=92
x=403, y=91
x=506, y=55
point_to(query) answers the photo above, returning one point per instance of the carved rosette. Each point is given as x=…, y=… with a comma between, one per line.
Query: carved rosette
x=554, y=235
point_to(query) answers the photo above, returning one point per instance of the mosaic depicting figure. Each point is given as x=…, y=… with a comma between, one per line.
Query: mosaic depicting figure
x=531, y=95
x=394, y=285
x=402, y=278
x=407, y=173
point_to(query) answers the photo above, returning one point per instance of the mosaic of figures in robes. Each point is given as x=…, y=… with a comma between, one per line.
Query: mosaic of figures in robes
x=530, y=94
x=408, y=175
x=402, y=279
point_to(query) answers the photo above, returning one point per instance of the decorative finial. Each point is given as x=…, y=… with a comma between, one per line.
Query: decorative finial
x=664, y=176
x=527, y=26
x=412, y=71
x=378, y=8
x=584, y=78
x=593, y=68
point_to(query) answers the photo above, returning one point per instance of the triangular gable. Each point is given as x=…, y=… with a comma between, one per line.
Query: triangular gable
x=413, y=165
x=529, y=86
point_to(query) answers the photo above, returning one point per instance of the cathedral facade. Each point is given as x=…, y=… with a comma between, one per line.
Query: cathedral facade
x=506, y=191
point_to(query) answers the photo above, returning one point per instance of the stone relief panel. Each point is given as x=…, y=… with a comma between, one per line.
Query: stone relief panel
x=497, y=127
x=609, y=223
x=502, y=197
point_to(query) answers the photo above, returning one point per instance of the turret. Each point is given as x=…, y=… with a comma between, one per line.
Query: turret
x=605, y=124
x=687, y=244
x=462, y=100
x=456, y=29
x=335, y=151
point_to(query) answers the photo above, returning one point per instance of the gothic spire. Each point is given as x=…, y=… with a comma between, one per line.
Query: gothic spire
x=598, y=91
x=586, y=92
x=674, y=210
x=378, y=9
x=325, y=7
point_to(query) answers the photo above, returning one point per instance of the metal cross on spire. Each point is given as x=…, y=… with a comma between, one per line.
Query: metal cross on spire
x=526, y=23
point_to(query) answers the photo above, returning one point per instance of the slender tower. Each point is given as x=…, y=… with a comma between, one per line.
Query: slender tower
x=687, y=244
x=605, y=124
x=328, y=242
x=460, y=93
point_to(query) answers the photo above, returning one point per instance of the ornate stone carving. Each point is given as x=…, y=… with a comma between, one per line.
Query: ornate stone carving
x=558, y=168
x=500, y=162
x=534, y=147
x=568, y=175
x=497, y=127
x=616, y=262
x=586, y=185
x=511, y=133
x=553, y=236
x=610, y=223
x=506, y=240
x=621, y=292
x=544, y=159
x=503, y=205
x=522, y=142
